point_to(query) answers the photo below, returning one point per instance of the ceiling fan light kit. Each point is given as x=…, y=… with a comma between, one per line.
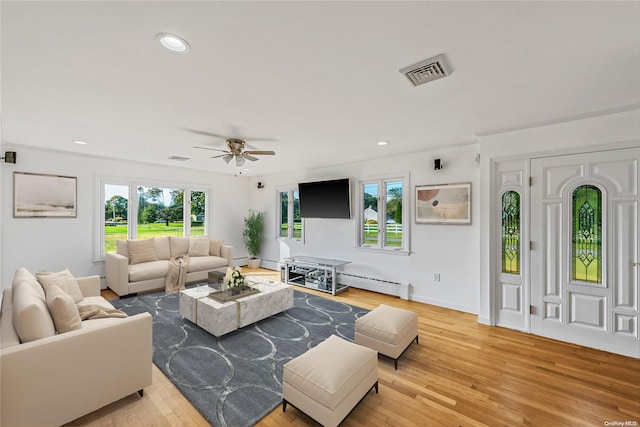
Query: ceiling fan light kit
x=235, y=150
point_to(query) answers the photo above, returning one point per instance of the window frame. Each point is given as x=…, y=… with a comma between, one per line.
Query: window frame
x=380, y=246
x=290, y=190
x=132, y=207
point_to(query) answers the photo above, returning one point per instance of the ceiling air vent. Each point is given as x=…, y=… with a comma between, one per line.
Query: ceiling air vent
x=427, y=70
x=178, y=158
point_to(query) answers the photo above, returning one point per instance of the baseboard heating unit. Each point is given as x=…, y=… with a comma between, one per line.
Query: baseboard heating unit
x=398, y=289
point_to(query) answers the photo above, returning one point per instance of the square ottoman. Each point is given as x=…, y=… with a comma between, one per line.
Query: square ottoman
x=388, y=330
x=329, y=380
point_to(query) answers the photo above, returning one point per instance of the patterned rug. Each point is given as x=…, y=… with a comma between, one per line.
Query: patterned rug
x=235, y=380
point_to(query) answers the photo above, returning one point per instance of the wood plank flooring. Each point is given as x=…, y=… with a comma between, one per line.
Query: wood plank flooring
x=461, y=374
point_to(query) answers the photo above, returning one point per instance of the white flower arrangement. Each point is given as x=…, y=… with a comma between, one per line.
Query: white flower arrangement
x=234, y=277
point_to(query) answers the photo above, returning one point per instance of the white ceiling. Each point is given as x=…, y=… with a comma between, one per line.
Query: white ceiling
x=319, y=78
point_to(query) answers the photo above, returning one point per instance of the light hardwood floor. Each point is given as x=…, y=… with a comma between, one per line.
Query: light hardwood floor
x=461, y=374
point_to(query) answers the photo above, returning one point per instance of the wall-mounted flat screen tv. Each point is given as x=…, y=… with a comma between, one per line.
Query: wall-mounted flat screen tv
x=325, y=199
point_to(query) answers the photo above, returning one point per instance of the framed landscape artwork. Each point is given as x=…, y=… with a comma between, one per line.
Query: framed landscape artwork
x=443, y=204
x=43, y=196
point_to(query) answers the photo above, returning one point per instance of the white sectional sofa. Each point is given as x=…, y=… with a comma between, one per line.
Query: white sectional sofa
x=142, y=265
x=50, y=377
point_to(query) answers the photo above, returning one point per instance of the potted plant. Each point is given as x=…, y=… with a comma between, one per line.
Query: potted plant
x=253, y=236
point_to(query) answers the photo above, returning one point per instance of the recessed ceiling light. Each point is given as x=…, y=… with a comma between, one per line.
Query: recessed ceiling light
x=173, y=42
x=383, y=142
x=77, y=141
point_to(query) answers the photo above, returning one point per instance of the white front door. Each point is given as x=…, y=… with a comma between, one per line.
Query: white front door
x=584, y=249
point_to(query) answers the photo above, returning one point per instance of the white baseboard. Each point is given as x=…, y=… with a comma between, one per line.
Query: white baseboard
x=443, y=304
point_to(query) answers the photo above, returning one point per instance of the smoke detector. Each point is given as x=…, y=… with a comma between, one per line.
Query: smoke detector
x=427, y=70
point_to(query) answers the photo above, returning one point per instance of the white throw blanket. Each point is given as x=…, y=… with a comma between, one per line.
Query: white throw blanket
x=177, y=273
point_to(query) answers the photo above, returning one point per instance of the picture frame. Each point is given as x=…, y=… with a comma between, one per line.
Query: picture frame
x=44, y=196
x=443, y=203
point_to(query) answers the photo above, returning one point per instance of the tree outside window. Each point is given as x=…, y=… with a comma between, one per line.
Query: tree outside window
x=159, y=212
x=289, y=220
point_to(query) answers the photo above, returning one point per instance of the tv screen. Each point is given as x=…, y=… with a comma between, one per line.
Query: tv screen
x=325, y=199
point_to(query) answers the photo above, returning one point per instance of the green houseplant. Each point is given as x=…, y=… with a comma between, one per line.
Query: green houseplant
x=253, y=236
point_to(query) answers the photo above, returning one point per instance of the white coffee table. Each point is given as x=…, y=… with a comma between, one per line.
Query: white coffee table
x=221, y=318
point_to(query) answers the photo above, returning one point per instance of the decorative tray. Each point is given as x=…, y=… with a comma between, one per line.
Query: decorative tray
x=233, y=293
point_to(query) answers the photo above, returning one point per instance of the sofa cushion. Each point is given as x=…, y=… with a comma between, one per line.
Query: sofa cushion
x=8, y=335
x=62, y=279
x=141, y=251
x=148, y=270
x=31, y=317
x=205, y=263
x=215, y=247
x=198, y=247
x=179, y=245
x=163, y=249
x=24, y=275
x=63, y=310
x=122, y=248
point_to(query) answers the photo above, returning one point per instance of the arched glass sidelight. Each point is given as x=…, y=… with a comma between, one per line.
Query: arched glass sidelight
x=511, y=232
x=586, y=234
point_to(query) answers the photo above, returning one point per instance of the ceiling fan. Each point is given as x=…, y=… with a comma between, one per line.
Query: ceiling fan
x=236, y=149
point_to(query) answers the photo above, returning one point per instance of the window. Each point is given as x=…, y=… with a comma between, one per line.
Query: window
x=160, y=212
x=511, y=232
x=586, y=234
x=116, y=215
x=289, y=220
x=382, y=219
x=198, y=208
x=131, y=211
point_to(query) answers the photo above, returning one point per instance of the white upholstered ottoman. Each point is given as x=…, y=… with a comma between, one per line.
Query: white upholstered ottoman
x=329, y=380
x=388, y=330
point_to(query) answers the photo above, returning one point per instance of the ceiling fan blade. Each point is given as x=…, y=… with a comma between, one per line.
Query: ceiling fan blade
x=207, y=148
x=248, y=156
x=227, y=158
x=201, y=132
x=261, y=153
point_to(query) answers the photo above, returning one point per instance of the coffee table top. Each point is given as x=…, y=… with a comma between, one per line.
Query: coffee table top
x=264, y=286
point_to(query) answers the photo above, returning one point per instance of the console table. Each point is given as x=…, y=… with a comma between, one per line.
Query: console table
x=315, y=273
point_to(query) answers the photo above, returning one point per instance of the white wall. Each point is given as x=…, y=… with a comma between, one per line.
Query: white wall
x=451, y=250
x=54, y=244
x=608, y=131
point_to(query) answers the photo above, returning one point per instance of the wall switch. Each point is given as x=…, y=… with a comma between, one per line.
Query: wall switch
x=436, y=277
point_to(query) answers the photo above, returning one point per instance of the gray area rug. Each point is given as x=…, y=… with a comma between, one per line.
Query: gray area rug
x=236, y=380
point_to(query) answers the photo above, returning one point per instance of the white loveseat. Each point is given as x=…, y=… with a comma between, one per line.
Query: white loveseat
x=50, y=378
x=142, y=265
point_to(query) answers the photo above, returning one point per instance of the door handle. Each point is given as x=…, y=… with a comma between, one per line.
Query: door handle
x=635, y=264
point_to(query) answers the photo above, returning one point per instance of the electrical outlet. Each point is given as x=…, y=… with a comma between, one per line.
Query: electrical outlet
x=436, y=277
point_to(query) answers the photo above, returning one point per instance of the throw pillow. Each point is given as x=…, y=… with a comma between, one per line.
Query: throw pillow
x=62, y=279
x=63, y=310
x=178, y=246
x=142, y=251
x=215, y=246
x=198, y=247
